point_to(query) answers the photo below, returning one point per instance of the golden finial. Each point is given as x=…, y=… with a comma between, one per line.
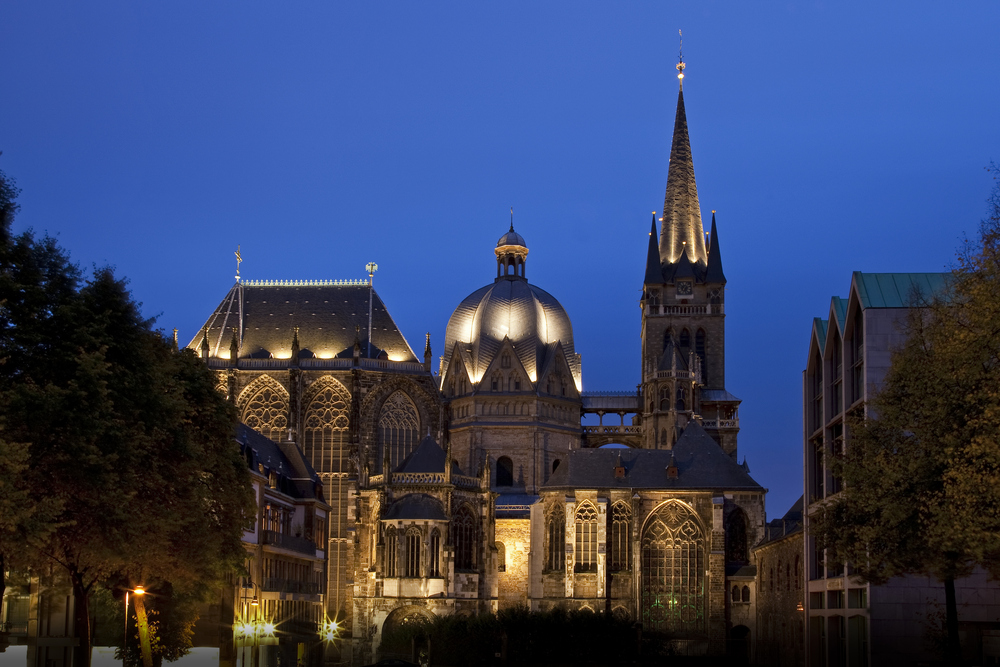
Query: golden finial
x=239, y=258
x=680, y=59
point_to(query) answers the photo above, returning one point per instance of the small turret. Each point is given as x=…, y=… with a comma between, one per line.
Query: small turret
x=654, y=271
x=714, y=273
x=357, y=345
x=295, y=347
x=204, y=345
x=234, y=349
x=512, y=254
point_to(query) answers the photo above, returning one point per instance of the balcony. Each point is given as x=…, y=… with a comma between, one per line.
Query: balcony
x=274, y=585
x=720, y=423
x=612, y=430
x=290, y=542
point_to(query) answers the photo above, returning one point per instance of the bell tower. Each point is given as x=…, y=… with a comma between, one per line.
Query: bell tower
x=683, y=313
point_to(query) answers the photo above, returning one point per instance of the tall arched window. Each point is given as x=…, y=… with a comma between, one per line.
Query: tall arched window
x=412, y=553
x=699, y=349
x=434, y=564
x=398, y=430
x=463, y=536
x=264, y=407
x=788, y=576
x=325, y=426
x=505, y=471
x=621, y=537
x=556, y=538
x=735, y=594
x=501, y=556
x=665, y=398
x=586, y=538
x=680, y=399
x=736, y=537
x=673, y=570
x=390, y=552
x=685, y=339
x=798, y=573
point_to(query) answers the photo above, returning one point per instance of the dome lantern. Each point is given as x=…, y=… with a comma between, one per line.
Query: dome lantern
x=511, y=254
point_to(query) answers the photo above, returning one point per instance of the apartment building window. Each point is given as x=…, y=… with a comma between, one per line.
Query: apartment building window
x=837, y=449
x=816, y=385
x=837, y=366
x=857, y=357
x=818, y=475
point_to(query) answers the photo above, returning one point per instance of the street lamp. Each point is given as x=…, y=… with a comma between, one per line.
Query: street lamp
x=255, y=654
x=371, y=268
x=139, y=590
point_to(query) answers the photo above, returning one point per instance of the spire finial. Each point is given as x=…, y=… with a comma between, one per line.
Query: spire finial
x=680, y=59
x=239, y=258
x=511, y=218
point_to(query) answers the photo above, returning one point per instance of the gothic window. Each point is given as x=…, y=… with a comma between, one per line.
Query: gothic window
x=556, y=538
x=501, y=557
x=434, y=564
x=654, y=297
x=461, y=386
x=495, y=382
x=680, y=399
x=798, y=573
x=516, y=382
x=412, y=553
x=325, y=426
x=398, y=430
x=621, y=537
x=264, y=407
x=673, y=570
x=736, y=537
x=668, y=338
x=699, y=349
x=390, y=552
x=463, y=536
x=685, y=339
x=586, y=538
x=770, y=578
x=735, y=594
x=788, y=576
x=746, y=594
x=505, y=471
x=505, y=360
x=665, y=398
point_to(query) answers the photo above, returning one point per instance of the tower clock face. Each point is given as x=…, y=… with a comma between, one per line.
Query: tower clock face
x=685, y=288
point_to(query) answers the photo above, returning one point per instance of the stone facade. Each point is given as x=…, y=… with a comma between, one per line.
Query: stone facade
x=779, y=639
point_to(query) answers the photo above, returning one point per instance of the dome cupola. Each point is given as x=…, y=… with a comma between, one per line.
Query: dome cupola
x=511, y=254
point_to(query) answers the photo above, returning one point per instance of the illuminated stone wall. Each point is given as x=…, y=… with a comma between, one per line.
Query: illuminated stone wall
x=515, y=534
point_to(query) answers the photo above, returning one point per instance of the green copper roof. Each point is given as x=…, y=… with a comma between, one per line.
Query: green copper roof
x=820, y=325
x=839, y=307
x=897, y=290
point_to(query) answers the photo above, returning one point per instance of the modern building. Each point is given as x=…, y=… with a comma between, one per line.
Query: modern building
x=850, y=623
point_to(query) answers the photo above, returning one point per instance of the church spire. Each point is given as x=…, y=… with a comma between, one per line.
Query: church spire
x=714, y=273
x=654, y=272
x=681, y=213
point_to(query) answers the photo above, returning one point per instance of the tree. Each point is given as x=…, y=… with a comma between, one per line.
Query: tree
x=922, y=469
x=125, y=436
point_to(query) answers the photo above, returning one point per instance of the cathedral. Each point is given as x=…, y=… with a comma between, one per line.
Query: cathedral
x=476, y=485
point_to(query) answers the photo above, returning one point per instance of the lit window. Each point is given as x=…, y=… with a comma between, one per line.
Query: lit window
x=556, y=538
x=586, y=538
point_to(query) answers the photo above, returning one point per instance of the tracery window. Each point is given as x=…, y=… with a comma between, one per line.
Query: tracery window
x=398, y=430
x=463, y=536
x=390, y=552
x=699, y=349
x=665, y=398
x=505, y=471
x=680, y=399
x=505, y=360
x=434, y=564
x=264, y=407
x=673, y=570
x=412, y=553
x=736, y=537
x=325, y=427
x=621, y=537
x=586, y=538
x=685, y=339
x=556, y=539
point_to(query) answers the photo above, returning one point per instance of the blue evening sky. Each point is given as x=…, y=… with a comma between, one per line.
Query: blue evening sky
x=830, y=137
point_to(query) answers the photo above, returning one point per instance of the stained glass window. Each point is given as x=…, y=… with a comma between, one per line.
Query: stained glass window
x=556, y=538
x=412, y=553
x=463, y=536
x=328, y=405
x=264, y=407
x=586, y=538
x=621, y=537
x=673, y=570
x=390, y=552
x=398, y=430
x=435, y=554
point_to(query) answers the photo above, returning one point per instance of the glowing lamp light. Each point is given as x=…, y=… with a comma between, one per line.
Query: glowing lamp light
x=139, y=590
x=267, y=629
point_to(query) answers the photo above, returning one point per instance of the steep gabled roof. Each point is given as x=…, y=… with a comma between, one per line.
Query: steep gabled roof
x=654, y=271
x=714, y=273
x=427, y=457
x=898, y=290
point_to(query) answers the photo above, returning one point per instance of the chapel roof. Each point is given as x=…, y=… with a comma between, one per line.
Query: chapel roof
x=418, y=506
x=329, y=316
x=296, y=476
x=427, y=457
x=701, y=464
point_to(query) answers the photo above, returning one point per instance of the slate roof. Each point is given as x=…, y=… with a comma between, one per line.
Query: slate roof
x=296, y=476
x=895, y=290
x=790, y=523
x=326, y=315
x=427, y=457
x=700, y=461
x=717, y=395
x=419, y=506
